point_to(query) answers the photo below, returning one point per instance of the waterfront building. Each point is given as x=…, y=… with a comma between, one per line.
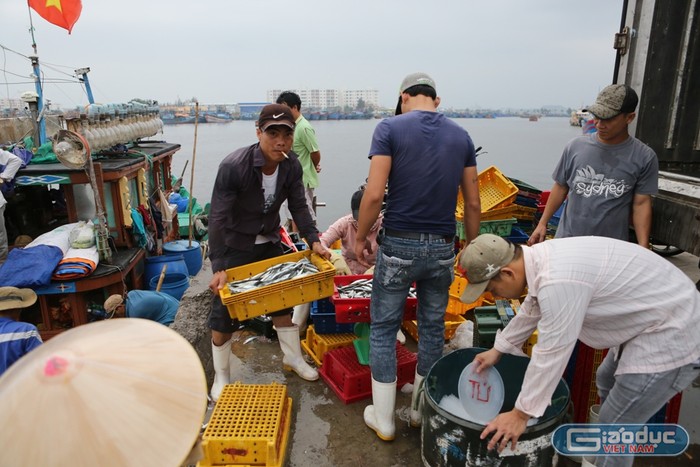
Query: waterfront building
x=325, y=99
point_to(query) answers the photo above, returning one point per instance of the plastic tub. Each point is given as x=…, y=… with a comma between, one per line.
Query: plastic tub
x=174, y=284
x=448, y=440
x=192, y=254
x=154, y=265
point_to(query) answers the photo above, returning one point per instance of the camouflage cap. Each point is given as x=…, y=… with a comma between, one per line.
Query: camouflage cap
x=613, y=100
x=482, y=260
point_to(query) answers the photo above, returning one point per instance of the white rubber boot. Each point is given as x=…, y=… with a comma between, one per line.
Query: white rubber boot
x=300, y=316
x=222, y=368
x=417, y=401
x=291, y=348
x=380, y=415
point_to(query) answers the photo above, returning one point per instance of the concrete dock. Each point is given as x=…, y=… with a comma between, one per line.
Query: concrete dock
x=326, y=432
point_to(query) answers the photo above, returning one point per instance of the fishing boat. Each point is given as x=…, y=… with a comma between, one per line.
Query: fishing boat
x=103, y=167
x=579, y=118
x=217, y=118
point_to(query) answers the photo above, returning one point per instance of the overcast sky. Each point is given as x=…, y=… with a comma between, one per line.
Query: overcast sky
x=482, y=53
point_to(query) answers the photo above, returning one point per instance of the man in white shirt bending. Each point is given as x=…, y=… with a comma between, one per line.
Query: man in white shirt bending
x=605, y=292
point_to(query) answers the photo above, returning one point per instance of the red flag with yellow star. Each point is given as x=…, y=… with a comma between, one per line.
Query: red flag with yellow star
x=63, y=13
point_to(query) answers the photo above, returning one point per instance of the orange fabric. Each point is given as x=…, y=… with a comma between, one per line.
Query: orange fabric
x=63, y=13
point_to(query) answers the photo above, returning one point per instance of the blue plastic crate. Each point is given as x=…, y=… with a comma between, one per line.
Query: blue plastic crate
x=517, y=235
x=323, y=317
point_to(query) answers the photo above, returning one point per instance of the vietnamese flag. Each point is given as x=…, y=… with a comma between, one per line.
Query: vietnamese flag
x=63, y=13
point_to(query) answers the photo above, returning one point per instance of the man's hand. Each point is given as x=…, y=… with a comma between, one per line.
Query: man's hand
x=218, y=281
x=538, y=235
x=487, y=359
x=507, y=428
x=360, y=246
x=320, y=250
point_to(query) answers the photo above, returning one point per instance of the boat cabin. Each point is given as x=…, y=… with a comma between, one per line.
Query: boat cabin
x=49, y=195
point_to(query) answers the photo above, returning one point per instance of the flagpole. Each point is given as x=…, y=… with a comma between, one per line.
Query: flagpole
x=37, y=85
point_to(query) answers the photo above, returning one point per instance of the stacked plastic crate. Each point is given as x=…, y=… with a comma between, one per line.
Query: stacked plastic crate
x=250, y=425
x=329, y=341
x=507, y=207
x=580, y=375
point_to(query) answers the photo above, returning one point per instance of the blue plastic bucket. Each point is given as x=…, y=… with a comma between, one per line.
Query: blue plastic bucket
x=174, y=284
x=154, y=265
x=191, y=253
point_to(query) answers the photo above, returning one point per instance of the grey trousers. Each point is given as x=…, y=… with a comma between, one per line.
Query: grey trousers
x=635, y=398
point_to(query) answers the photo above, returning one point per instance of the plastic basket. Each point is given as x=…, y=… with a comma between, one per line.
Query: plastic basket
x=455, y=306
x=249, y=425
x=514, y=210
x=316, y=345
x=451, y=324
x=353, y=382
x=517, y=235
x=323, y=317
x=526, y=187
x=276, y=297
x=495, y=191
x=356, y=310
x=501, y=227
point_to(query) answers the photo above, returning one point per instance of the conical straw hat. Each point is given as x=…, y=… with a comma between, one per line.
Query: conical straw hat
x=121, y=392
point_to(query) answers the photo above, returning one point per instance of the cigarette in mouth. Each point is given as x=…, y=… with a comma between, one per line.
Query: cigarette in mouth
x=285, y=155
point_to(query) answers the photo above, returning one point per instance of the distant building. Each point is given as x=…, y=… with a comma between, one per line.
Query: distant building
x=251, y=110
x=11, y=107
x=324, y=99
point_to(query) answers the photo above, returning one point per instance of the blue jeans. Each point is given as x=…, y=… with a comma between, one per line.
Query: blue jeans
x=429, y=263
x=636, y=397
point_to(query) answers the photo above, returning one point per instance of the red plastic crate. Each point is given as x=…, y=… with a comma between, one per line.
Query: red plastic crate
x=356, y=310
x=353, y=382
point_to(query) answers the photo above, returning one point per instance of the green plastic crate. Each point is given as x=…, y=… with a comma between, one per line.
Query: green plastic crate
x=501, y=227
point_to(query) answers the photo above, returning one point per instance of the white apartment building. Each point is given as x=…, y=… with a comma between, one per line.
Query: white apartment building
x=324, y=99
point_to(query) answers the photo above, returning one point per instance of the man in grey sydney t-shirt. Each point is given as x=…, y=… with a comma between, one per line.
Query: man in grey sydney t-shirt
x=607, y=177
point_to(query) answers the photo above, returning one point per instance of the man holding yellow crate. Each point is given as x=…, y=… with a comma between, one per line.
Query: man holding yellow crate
x=244, y=224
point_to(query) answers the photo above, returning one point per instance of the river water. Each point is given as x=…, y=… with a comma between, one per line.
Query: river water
x=518, y=147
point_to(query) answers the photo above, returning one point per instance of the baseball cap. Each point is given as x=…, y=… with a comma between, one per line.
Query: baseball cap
x=482, y=260
x=614, y=100
x=355, y=203
x=12, y=298
x=275, y=114
x=414, y=79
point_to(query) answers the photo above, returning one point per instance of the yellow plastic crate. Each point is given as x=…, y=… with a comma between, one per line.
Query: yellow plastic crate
x=530, y=343
x=455, y=306
x=451, y=324
x=276, y=297
x=249, y=425
x=316, y=345
x=495, y=191
x=514, y=210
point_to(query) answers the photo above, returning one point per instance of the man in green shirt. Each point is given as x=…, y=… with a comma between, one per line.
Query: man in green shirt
x=305, y=146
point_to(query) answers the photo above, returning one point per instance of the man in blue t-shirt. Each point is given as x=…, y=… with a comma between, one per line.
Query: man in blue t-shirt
x=146, y=304
x=426, y=158
x=16, y=338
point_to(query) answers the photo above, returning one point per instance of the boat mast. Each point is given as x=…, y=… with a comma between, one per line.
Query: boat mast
x=84, y=73
x=37, y=85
